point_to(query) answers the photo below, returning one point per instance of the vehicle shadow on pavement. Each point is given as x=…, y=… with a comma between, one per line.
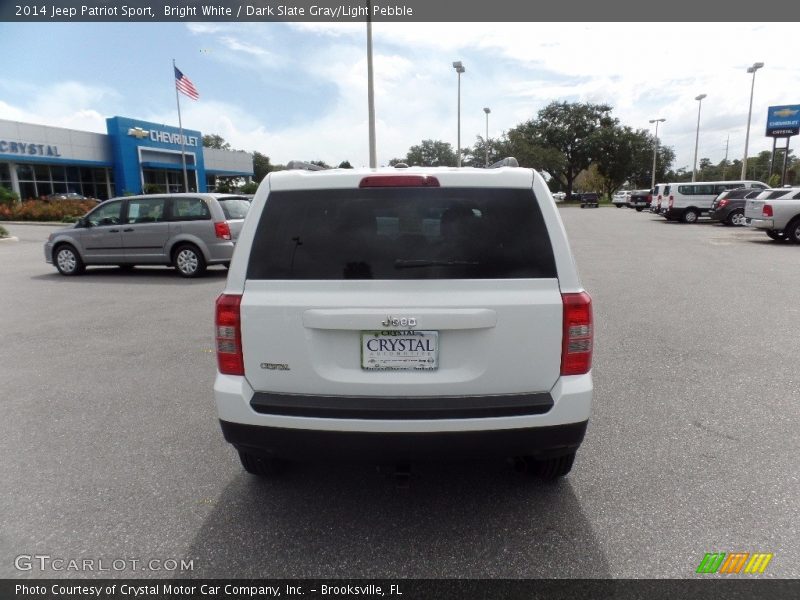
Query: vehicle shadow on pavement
x=468, y=519
x=137, y=275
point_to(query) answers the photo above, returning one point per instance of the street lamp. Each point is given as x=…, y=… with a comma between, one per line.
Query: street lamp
x=459, y=69
x=655, y=151
x=697, y=135
x=487, y=110
x=753, y=69
x=373, y=155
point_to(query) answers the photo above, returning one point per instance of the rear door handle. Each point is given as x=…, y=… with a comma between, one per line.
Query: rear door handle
x=128, y=229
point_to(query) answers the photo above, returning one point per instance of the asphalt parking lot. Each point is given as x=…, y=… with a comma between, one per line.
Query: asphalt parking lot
x=112, y=449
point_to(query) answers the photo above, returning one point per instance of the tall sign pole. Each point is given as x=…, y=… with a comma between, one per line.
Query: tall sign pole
x=782, y=122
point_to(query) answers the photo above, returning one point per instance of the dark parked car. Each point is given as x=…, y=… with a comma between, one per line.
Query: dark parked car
x=640, y=199
x=728, y=207
x=590, y=200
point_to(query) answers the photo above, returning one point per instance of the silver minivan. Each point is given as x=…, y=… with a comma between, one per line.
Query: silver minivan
x=188, y=231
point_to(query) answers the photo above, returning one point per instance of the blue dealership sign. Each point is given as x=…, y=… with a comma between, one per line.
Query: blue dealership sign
x=783, y=121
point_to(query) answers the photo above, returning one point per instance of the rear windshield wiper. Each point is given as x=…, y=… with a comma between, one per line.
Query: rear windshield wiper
x=412, y=264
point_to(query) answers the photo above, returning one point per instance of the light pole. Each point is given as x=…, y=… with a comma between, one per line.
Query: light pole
x=487, y=110
x=697, y=135
x=655, y=151
x=753, y=69
x=459, y=69
x=373, y=156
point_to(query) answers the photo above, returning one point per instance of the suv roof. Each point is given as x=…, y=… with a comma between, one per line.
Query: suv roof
x=509, y=177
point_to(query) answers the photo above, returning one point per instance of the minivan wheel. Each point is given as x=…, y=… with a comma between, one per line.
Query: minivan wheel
x=736, y=218
x=68, y=261
x=189, y=261
x=259, y=465
x=792, y=232
x=550, y=469
x=689, y=216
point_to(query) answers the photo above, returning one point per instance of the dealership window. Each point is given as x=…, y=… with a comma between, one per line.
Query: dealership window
x=40, y=180
x=167, y=180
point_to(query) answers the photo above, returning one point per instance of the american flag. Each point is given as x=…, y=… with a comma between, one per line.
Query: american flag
x=185, y=86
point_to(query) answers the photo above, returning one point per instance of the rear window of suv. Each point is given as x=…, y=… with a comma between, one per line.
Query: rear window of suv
x=402, y=233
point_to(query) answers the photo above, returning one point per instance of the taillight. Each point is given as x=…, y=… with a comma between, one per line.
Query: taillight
x=222, y=230
x=227, y=331
x=671, y=200
x=722, y=203
x=398, y=181
x=578, y=336
x=766, y=211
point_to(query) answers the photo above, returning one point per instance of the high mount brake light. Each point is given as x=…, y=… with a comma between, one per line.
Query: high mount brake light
x=374, y=181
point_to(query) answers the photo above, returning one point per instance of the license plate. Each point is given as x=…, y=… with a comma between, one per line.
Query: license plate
x=399, y=350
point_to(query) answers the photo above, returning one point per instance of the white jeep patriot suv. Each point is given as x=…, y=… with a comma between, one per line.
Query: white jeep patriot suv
x=401, y=314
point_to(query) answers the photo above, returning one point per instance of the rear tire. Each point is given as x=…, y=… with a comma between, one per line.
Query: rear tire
x=259, y=465
x=736, y=218
x=189, y=261
x=639, y=209
x=68, y=261
x=777, y=236
x=550, y=469
x=690, y=216
x=792, y=232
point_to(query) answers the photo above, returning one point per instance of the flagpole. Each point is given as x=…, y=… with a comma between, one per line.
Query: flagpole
x=180, y=127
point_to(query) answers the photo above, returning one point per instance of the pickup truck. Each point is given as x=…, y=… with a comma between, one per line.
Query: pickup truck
x=777, y=212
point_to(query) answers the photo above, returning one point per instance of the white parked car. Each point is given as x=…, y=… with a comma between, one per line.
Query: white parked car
x=621, y=199
x=401, y=314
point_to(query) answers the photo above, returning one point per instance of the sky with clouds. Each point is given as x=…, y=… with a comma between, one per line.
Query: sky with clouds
x=298, y=90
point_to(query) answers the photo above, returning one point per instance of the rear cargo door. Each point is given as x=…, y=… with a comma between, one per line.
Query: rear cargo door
x=444, y=291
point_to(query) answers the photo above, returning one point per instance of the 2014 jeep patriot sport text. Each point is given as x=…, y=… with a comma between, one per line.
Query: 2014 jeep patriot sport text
x=404, y=314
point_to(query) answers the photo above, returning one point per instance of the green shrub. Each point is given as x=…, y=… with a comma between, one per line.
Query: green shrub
x=37, y=210
x=3, y=232
x=7, y=196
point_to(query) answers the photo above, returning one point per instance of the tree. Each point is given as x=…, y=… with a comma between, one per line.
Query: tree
x=499, y=148
x=215, y=141
x=642, y=175
x=562, y=139
x=262, y=166
x=320, y=163
x=590, y=180
x=431, y=153
x=345, y=164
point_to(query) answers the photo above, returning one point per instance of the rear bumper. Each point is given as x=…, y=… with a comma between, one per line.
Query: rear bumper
x=413, y=428
x=359, y=446
x=762, y=223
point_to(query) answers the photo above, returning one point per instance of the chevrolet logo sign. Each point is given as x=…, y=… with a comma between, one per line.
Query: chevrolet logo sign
x=138, y=133
x=785, y=112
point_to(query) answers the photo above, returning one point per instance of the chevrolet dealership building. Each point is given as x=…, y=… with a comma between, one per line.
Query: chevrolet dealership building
x=37, y=160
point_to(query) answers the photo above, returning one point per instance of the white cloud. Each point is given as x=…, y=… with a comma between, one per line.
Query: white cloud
x=643, y=70
x=65, y=104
